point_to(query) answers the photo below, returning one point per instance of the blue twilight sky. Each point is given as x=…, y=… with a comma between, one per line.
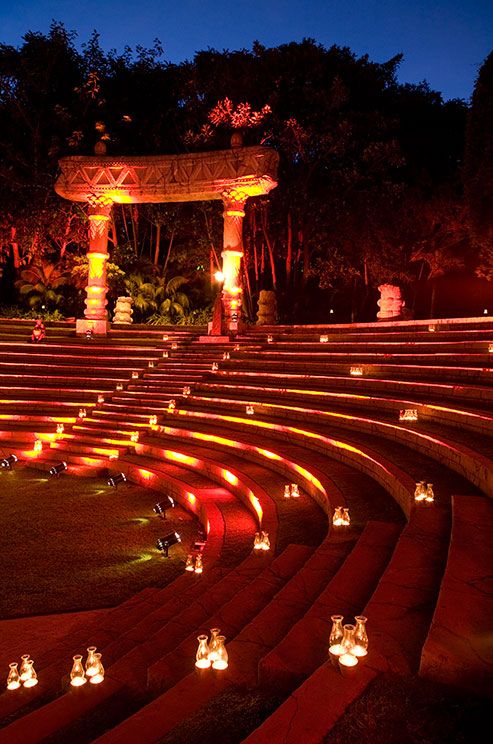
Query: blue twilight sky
x=443, y=41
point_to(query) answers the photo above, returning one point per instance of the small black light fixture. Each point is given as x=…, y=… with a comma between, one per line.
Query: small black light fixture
x=163, y=544
x=7, y=462
x=57, y=469
x=161, y=506
x=114, y=480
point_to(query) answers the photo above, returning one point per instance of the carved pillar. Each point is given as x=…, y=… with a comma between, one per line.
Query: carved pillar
x=390, y=302
x=234, y=212
x=96, y=316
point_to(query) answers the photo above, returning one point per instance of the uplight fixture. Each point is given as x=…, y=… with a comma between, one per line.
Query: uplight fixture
x=57, y=469
x=114, y=480
x=161, y=507
x=163, y=544
x=9, y=461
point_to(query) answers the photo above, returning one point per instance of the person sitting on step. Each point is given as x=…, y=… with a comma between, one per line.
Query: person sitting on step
x=39, y=331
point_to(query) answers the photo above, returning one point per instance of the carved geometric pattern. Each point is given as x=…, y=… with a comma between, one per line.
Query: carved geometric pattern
x=169, y=178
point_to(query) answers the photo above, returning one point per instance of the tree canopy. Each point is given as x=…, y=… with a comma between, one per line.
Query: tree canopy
x=370, y=186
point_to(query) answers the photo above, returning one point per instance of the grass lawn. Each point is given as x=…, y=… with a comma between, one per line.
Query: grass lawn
x=73, y=543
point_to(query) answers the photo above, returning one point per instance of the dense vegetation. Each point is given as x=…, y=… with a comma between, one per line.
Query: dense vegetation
x=373, y=183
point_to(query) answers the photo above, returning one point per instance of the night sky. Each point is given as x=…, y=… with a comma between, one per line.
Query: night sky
x=443, y=41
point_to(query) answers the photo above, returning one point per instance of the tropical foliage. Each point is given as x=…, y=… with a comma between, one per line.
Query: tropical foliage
x=370, y=184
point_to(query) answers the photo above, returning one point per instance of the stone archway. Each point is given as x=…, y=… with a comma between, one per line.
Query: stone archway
x=230, y=175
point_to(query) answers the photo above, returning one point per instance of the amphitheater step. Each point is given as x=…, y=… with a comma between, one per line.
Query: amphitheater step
x=398, y=614
x=159, y=632
x=232, y=617
x=457, y=651
x=304, y=647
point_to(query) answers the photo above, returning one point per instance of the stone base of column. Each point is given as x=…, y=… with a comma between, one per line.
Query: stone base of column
x=98, y=327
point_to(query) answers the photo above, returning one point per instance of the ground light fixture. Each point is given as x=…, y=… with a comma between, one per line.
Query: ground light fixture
x=9, y=461
x=114, y=480
x=161, y=507
x=163, y=544
x=57, y=469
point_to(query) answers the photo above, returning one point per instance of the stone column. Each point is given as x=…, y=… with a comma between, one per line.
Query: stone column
x=234, y=212
x=96, y=315
x=390, y=302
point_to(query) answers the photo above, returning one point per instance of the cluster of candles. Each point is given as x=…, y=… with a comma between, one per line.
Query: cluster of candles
x=408, y=414
x=92, y=669
x=38, y=445
x=348, y=644
x=119, y=386
x=100, y=398
x=226, y=355
x=291, y=491
x=150, y=363
x=135, y=375
x=341, y=517
x=194, y=563
x=134, y=436
x=186, y=391
x=60, y=428
x=236, y=347
x=171, y=405
x=424, y=492
x=165, y=336
x=174, y=346
x=324, y=339
x=270, y=339
x=82, y=413
x=165, y=353
x=153, y=420
x=25, y=675
x=215, y=366
x=211, y=653
x=431, y=328
x=356, y=371
x=250, y=410
x=261, y=541
x=490, y=348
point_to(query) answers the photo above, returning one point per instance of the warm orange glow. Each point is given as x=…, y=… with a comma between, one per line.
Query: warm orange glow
x=256, y=505
x=230, y=477
x=146, y=474
x=180, y=457
x=191, y=498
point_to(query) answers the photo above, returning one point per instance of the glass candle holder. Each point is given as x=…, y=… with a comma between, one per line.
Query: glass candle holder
x=77, y=674
x=202, y=660
x=13, y=679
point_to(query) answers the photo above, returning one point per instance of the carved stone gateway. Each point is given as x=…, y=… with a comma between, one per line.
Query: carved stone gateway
x=231, y=175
